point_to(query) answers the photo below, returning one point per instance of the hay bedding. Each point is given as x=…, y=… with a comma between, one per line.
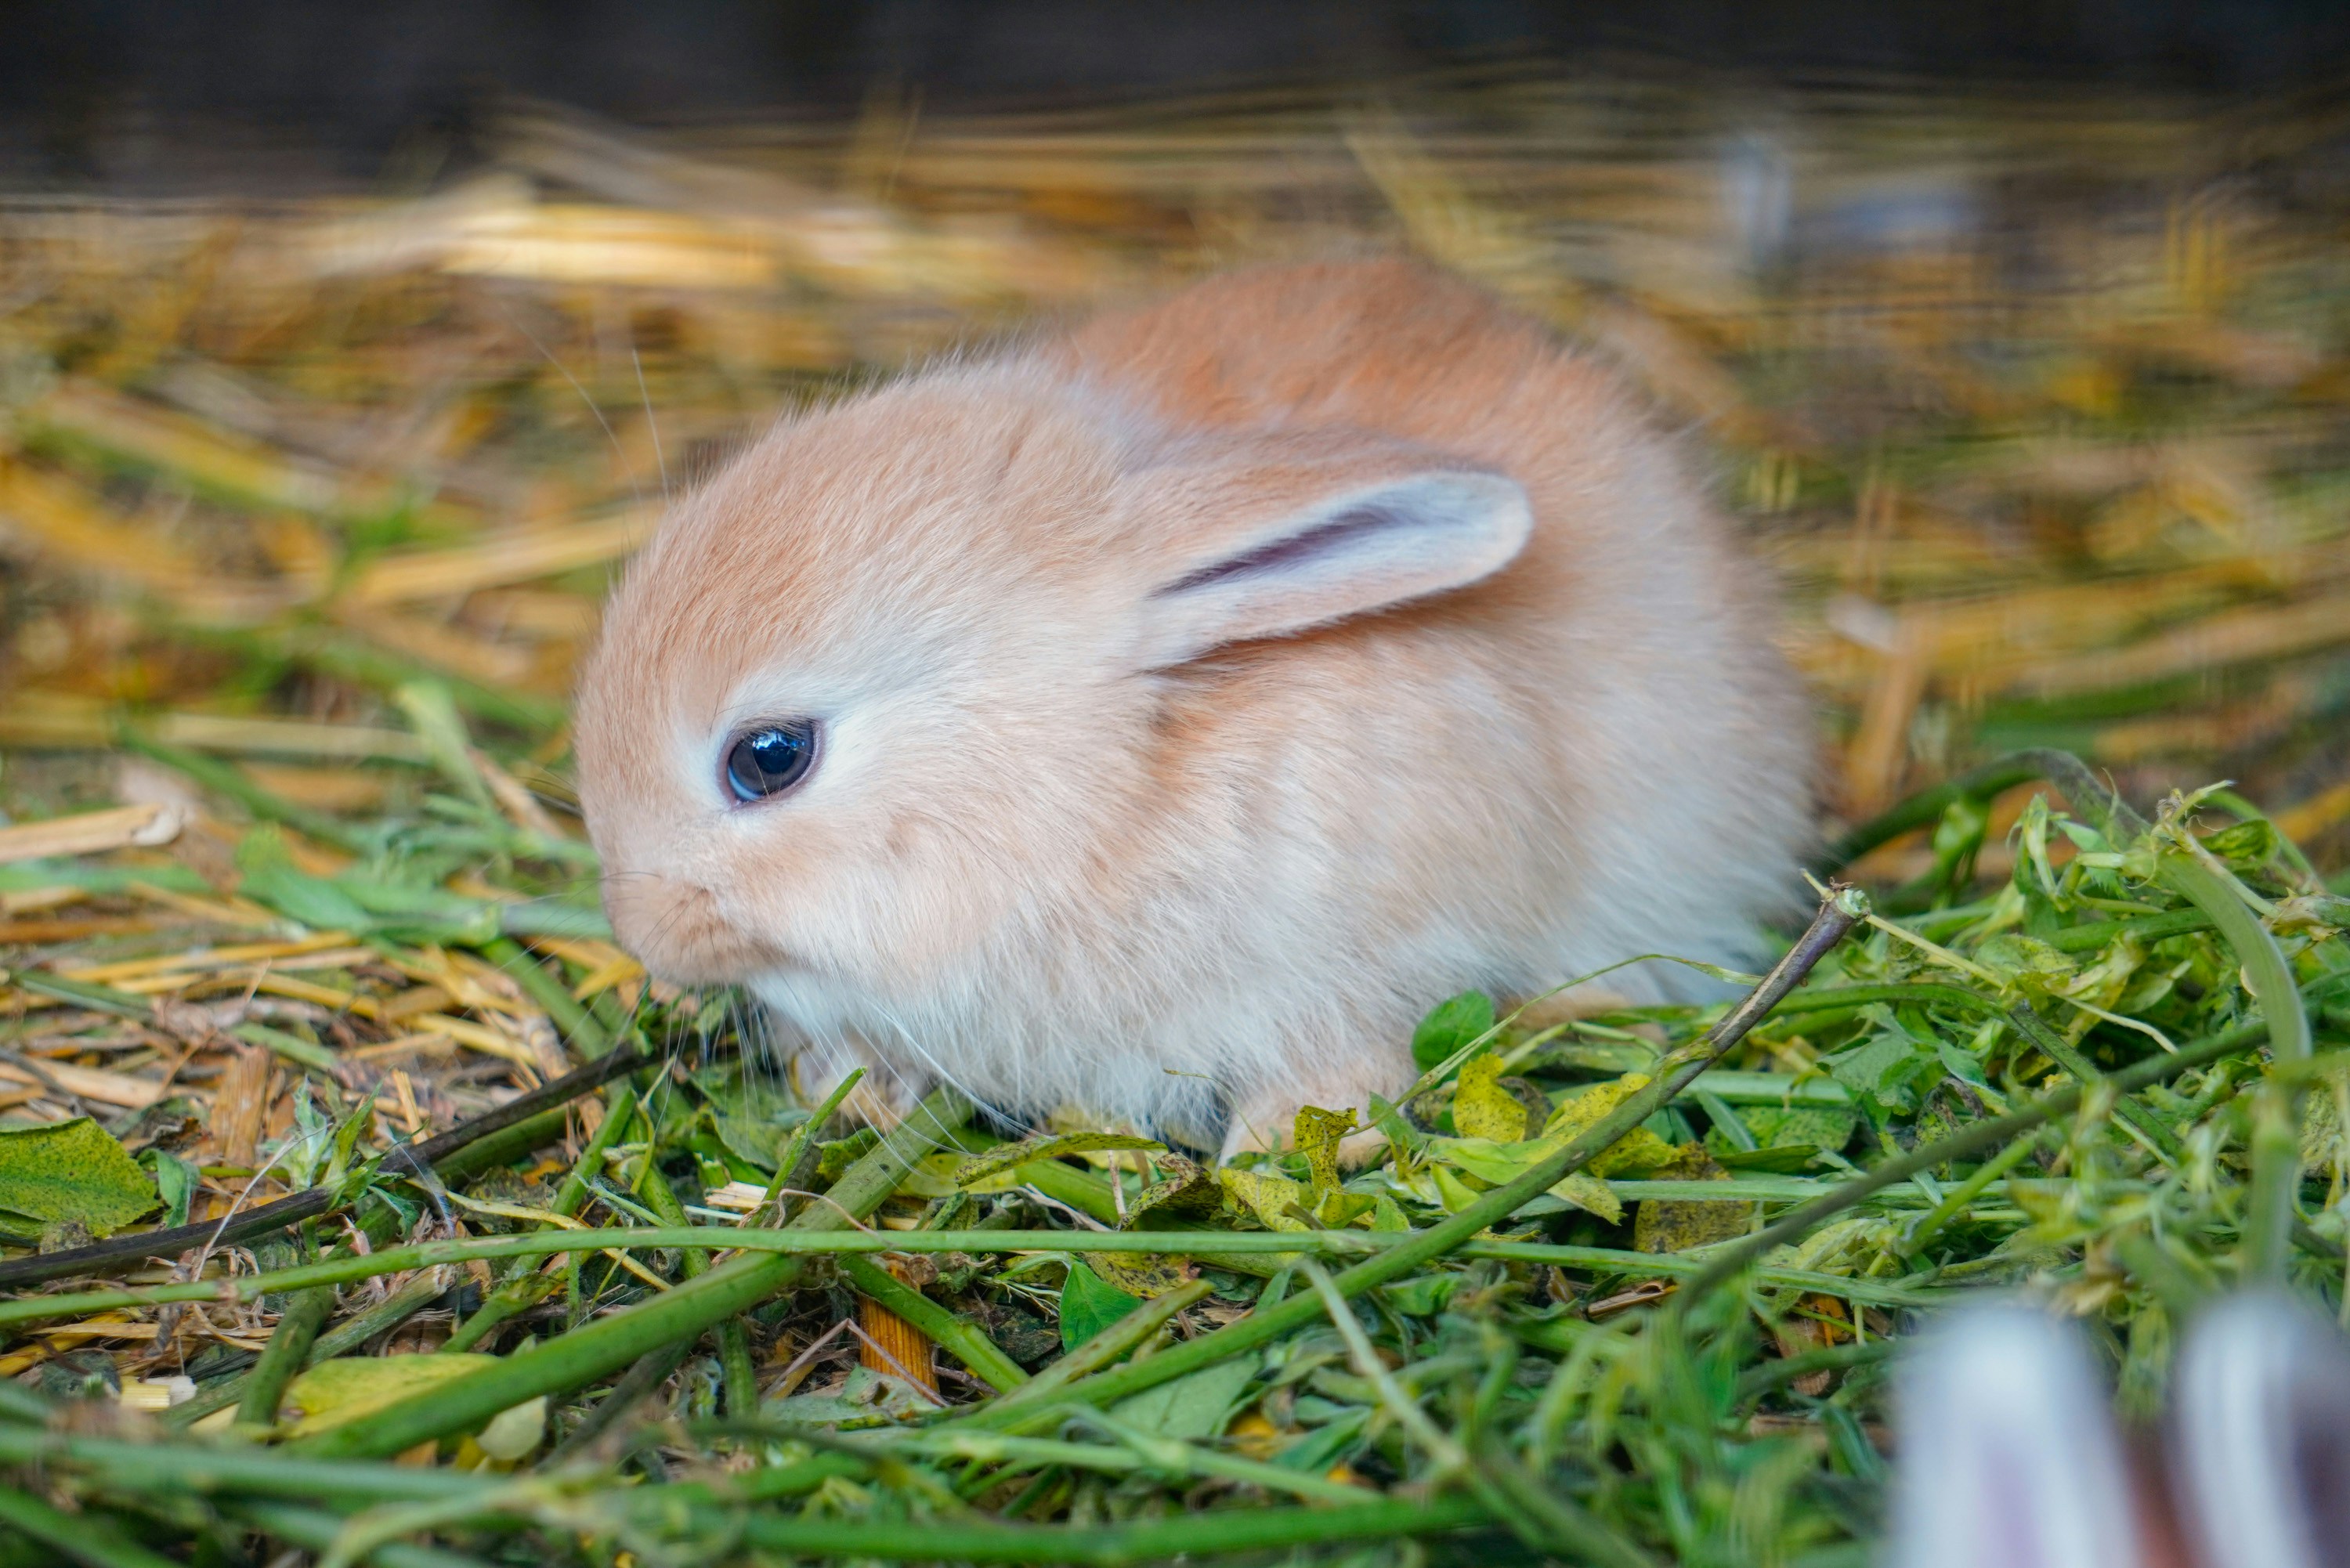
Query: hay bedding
x=307, y=509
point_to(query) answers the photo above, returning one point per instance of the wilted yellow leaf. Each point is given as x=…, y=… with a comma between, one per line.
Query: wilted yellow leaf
x=1481, y=1107
x=1636, y=1153
x=1267, y=1196
x=1144, y=1275
x=1317, y=1132
x=1592, y=1196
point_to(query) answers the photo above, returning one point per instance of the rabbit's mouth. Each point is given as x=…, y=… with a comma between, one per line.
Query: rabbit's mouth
x=676, y=929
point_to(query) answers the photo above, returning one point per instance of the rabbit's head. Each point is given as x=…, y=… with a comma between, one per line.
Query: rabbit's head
x=885, y=699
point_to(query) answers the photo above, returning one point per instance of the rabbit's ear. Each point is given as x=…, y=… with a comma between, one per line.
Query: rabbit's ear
x=2260, y=1434
x=2006, y=1455
x=1269, y=543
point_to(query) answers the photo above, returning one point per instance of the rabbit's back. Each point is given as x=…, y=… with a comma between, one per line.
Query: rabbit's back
x=1644, y=749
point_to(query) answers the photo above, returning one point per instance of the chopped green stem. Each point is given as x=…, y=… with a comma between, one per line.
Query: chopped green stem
x=518, y=1294
x=967, y=1340
x=297, y=1330
x=650, y=1371
x=1774, y=1088
x=122, y=1464
x=587, y=1036
x=2271, y=1217
x=1449, y=1456
x=1686, y=1265
x=1103, y=1349
x=318, y=1531
x=2057, y=1049
x=1837, y=914
x=97, y=1542
x=2098, y=934
x=736, y=1366
x=804, y=1243
x=620, y=1110
x=661, y=1198
x=225, y=779
x=1727, y=1263
x=394, y=1310
x=1955, y=1201
x=1778, y=1374
x=1927, y=806
x=514, y=1128
x=1143, y=1451
x=605, y=1344
x=1192, y=1535
x=1838, y=998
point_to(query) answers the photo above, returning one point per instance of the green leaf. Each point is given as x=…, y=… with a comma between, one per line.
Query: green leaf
x=348, y=1134
x=176, y=1181
x=834, y=1157
x=1048, y=1146
x=2021, y=962
x=1422, y=1296
x=1454, y=1024
x=2248, y=845
x=1779, y=1160
x=1591, y=1195
x=72, y=1173
x=1314, y=1453
x=1777, y=1126
x=1668, y=1226
x=336, y=1393
x=1961, y=1062
x=1089, y=1305
x=1193, y=1407
x=751, y=1113
x=1878, y=1069
x=314, y=901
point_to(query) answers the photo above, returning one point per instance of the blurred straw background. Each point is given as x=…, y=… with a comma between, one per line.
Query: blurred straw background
x=2035, y=401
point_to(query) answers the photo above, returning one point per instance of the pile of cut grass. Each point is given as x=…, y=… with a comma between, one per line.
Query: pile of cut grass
x=308, y=507
x=1620, y=1289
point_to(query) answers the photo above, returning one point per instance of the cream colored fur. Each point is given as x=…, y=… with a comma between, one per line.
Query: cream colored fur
x=1079, y=833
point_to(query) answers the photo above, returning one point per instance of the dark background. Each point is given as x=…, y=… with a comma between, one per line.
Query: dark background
x=152, y=93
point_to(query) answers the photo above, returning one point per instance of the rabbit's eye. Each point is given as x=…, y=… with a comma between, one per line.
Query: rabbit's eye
x=770, y=758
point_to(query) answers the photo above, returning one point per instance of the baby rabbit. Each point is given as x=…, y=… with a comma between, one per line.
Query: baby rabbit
x=2009, y=1457
x=1161, y=718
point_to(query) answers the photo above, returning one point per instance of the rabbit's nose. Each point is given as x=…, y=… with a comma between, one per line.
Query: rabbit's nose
x=2260, y=1447
x=2007, y=1457
x=676, y=929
